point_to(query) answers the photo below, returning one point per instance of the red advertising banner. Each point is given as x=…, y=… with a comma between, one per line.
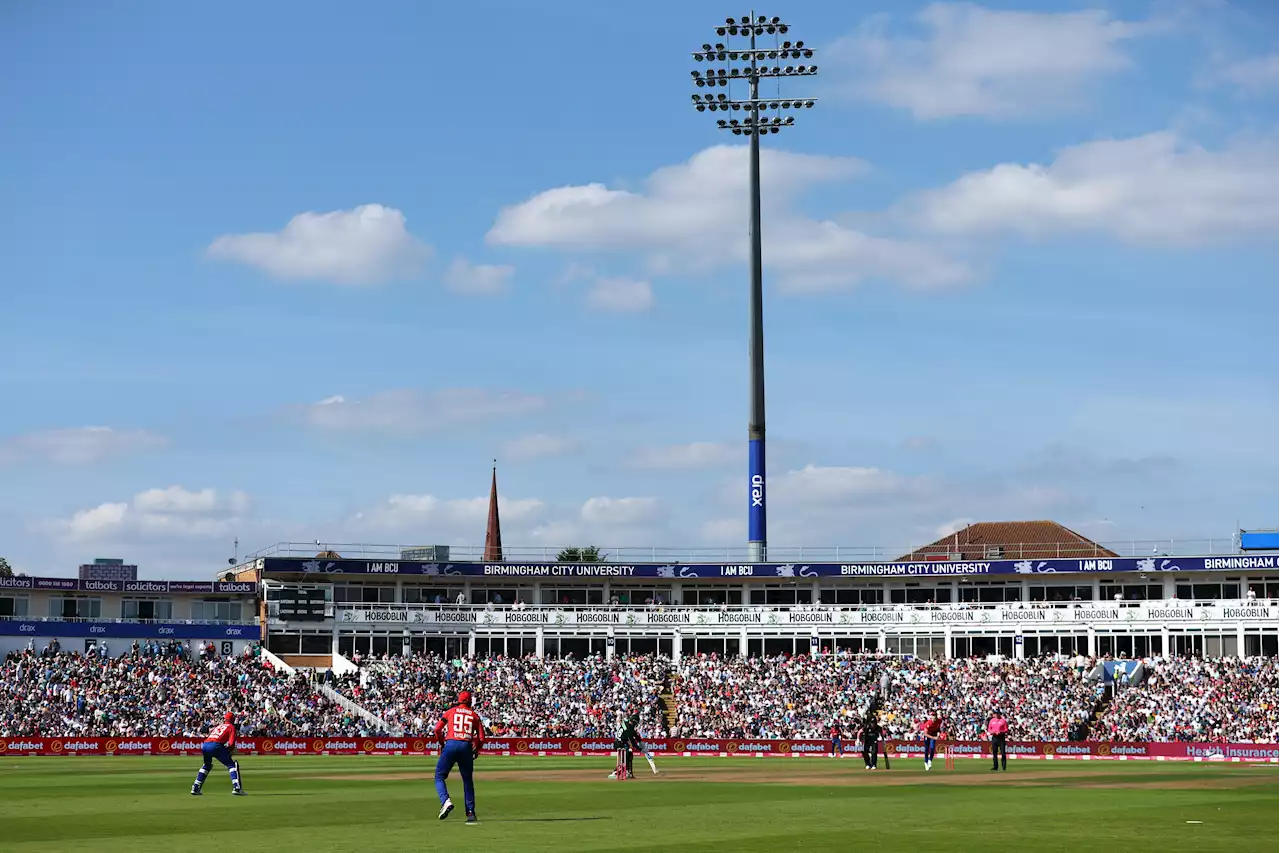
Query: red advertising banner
x=503, y=745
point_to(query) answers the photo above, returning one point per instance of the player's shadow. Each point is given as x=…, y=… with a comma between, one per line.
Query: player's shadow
x=541, y=819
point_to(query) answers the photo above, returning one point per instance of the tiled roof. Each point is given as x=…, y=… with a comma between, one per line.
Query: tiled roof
x=1009, y=540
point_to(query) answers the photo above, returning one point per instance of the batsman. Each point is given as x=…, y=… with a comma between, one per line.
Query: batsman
x=627, y=743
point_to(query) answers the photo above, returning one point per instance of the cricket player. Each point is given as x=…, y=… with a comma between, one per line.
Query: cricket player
x=835, y=738
x=219, y=744
x=461, y=734
x=627, y=742
x=871, y=739
x=931, y=728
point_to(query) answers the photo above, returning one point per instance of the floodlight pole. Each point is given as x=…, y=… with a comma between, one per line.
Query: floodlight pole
x=753, y=26
x=757, y=547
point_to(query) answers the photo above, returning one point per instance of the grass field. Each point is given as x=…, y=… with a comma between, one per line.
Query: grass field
x=366, y=804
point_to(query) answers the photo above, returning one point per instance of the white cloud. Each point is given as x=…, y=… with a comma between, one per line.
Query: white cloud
x=429, y=518
x=365, y=245
x=539, y=445
x=690, y=217
x=477, y=279
x=1153, y=189
x=620, y=295
x=410, y=411
x=697, y=454
x=982, y=62
x=606, y=522
x=77, y=445
x=1249, y=76
x=815, y=485
x=620, y=511
x=172, y=512
x=953, y=526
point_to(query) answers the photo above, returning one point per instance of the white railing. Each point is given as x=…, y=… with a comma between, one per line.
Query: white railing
x=360, y=711
x=125, y=621
x=815, y=615
x=1209, y=546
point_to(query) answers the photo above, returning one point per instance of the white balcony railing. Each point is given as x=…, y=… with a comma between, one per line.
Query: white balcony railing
x=1210, y=546
x=1151, y=613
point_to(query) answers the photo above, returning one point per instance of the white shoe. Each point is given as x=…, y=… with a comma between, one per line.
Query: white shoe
x=928, y=765
x=613, y=775
x=445, y=809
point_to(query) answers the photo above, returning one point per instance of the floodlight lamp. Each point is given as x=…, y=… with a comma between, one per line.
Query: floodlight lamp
x=733, y=55
x=783, y=29
x=746, y=19
x=719, y=46
x=773, y=105
x=719, y=31
x=723, y=81
x=773, y=130
x=771, y=30
x=722, y=123
x=813, y=69
x=808, y=103
x=800, y=44
x=737, y=131
x=762, y=19
x=775, y=20
x=703, y=107
x=790, y=69
x=706, y=47
x=722, y=96
x=733, y=31
x=808, y=54
x=700, y=82
x=730, y=21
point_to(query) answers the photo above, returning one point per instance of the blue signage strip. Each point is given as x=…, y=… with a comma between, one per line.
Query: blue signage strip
x=765, y=571
x=127, y=630
x=1267, y=540
x=160, y=587
x=755, y=491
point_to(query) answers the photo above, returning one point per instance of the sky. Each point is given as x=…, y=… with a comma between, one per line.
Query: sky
x=301, y=271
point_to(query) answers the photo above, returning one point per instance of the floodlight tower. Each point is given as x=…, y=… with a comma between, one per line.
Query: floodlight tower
x=747, y=56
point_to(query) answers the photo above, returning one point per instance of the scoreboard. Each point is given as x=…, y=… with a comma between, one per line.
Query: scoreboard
x=296, y=604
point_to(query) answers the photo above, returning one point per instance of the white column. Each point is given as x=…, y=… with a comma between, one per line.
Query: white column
x=1239, y=639
x=675, y=647
x=540, y=643
x=947, y=633
x=471, y=643
x=742, y=641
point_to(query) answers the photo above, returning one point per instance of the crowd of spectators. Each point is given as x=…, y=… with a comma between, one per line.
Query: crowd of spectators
x=771, y=697
x=1190, y=699
x=160, y=690
x=1043, y=699
x=568, y=696
x=171, y=690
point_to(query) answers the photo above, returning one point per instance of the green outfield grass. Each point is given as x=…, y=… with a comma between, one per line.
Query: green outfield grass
x=316, y=804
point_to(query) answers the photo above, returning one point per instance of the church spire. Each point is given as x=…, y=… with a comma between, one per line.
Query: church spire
x=493, y=535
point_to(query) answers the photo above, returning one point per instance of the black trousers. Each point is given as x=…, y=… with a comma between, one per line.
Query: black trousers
x=870, y=749
x=999, y=759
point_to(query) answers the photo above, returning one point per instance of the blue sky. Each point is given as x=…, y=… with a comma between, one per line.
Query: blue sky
x=300, y=271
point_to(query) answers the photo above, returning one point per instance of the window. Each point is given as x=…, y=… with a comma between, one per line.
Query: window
x=1060, y=593
x=855, y=595
x=215, y=610
x=572, y=596
x=916, y=594
x=364, y=594
x=709, y=596
x=75, y=607
x=989, y=593
x=780, y=595
x=428, y=594
x=147, y=609
x=13, y=605
x=1131, y=592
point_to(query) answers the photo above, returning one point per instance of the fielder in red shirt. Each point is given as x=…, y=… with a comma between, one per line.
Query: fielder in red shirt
x=219, y=744
x=931, y=728
x=462, y=735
